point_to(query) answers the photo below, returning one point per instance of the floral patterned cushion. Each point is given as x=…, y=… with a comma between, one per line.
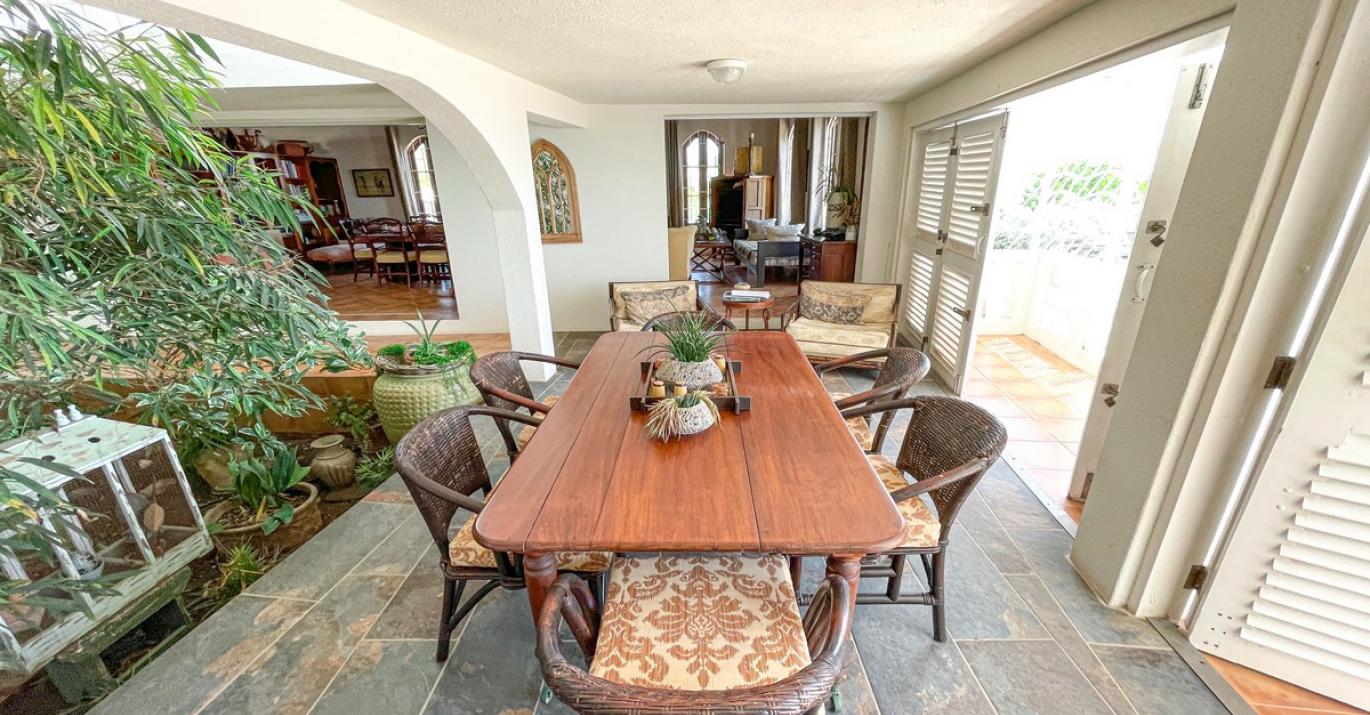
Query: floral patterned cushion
x=525, y=434
x=832, y=306
x=643, y=305
x=464, y=550
x=921, y=527
x=700, y=622
x=860, y=429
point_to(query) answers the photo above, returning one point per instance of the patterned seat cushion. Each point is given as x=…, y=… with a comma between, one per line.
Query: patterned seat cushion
x=336, y=252
x=464, y=550
x=921, y=527
x=700, y=622
x=526, y=433
x=860, y=429
x=821, y=339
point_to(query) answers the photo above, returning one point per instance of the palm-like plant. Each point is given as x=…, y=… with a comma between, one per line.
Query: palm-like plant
x=260, y=485
x=689, y=338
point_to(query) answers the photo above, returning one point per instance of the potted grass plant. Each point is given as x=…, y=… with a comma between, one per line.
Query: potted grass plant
x=271, y=506
x=681, y=416
x=421, y=378
x=688, y=353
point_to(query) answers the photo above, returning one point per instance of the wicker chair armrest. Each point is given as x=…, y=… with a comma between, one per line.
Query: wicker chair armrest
x=421, y=481
x=520, y=400
x=535, y=357
x=827, y=623
x=869, y=396
x=858, y=357
x=871, y=408
x=965, y=471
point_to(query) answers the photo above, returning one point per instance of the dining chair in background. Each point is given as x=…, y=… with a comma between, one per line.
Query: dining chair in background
x=501, y=381
x=948, y=447
x=712, y=322
x=735, y=644
x=900, y=369
x=441, y=464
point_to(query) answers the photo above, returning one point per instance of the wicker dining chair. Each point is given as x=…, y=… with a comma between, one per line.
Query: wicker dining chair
x=948, y=447
x=822, y=635
x=901, y=368
x=713, y=322
x=501, y=381
x=441, y=464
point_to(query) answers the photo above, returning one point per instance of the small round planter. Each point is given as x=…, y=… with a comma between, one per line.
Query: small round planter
x=302, y=527
x=693, y=375
x=405, y=394
x=696, y=419
x=212, y=466
x=334, y=464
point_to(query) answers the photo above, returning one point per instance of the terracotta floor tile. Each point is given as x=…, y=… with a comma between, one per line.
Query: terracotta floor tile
x=1026, y=429
x=1050, y=408
x=1000, y=407
x=1024, y=389
x=981, y=388
x=1276, y=695
x=1040, y=455
x=1063, y=429
x=1001, y=372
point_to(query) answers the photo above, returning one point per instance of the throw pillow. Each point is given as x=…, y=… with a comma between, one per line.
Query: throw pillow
x=828, y=307
x=643, y=305
x=756, y=228
x=783, y=231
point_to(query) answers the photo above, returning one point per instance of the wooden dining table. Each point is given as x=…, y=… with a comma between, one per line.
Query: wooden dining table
x=786, y=477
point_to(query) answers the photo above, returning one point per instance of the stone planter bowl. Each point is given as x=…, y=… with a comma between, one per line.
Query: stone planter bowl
x=693, y=375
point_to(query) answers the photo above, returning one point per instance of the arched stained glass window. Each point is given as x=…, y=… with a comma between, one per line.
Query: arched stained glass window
x=555, y=181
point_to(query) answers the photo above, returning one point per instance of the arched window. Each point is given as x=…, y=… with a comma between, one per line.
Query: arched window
x=423, y=183
x=701, y=159
x=555, y=181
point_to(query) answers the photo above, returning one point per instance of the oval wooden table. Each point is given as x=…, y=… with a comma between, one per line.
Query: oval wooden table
x=784, y=478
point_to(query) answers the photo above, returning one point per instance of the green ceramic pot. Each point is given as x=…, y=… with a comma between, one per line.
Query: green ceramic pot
x=405, y=394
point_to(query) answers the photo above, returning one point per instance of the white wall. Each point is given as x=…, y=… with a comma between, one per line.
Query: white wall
x=354, y=148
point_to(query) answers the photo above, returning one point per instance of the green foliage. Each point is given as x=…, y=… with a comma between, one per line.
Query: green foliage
x=428, y=351
x=395, y=350
x=1082, y=207
x=358, y=418
x=374, y=469
x=136, y=267
x=260, y=484
x=689, y=338
x=240, y=568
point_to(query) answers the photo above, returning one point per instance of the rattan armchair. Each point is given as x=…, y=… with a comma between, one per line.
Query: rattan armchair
x=441, y=464
x=713, y=322
x=501, y=381
x=948, y=447
x=901, y=368
x=827, y=624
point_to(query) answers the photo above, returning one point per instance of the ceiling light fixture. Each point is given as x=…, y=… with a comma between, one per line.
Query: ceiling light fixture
x=726, y=71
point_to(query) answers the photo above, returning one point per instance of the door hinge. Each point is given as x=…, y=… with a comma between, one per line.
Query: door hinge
x=1197, y=577
x=1196, y=97
x=942, y=236
x=955, y=149
x=980, y=209
x=965, y=314
x=1110, y=392
x=1089, y=482
x=1280, y=372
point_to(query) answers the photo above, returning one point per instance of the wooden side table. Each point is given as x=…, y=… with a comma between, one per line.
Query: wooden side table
x=747, y=306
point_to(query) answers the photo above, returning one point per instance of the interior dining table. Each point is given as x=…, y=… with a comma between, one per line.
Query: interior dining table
x=785, y=477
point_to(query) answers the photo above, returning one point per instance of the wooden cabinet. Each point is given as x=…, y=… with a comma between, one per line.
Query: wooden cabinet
x=317, y=180
x=738, y=198
x=756, y=197
x=827, y=260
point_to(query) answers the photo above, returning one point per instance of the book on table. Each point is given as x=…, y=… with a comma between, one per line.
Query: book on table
x=747, y=296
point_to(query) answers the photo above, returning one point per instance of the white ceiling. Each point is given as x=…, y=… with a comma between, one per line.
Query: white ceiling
x=646, y=51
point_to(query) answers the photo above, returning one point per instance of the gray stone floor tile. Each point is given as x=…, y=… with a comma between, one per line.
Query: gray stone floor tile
x=414, y=611
x=853, y=686
x=1012, y=502
x=289, y=676
x=383, y=677
x=1158, y=682
x=492, y=669
x=980, y=603
x=979, y=523
x=315, y=567
x=1032, y=590
x=1047, y=551
x=909, y=672
x=1031, y=678
x=191, y=672
x=399, y=552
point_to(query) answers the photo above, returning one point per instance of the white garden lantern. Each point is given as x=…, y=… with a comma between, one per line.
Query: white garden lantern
x=142, y=526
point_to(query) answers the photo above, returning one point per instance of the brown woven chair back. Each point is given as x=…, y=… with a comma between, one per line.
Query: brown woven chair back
x=667, y=321
x=903, y=368
x=945, y=434
x=501, y=371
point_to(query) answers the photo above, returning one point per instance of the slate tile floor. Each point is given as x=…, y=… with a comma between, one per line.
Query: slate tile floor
x=346, y=625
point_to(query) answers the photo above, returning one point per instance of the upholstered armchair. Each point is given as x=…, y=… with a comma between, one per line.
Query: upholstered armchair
x=827, y=323
x=673, y=296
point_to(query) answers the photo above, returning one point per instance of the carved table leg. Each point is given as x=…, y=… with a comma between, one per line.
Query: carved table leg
x=848, y=566
x=539, y=571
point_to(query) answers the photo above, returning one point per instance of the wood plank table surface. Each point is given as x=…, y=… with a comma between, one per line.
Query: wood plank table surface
x=787, y=477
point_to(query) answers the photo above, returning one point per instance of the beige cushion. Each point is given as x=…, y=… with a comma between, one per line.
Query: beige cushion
x=393, y=257
x=880, y=309
x=643, y=305
x=336, y=252
x=464, y=551
x=830, y=340
x=680, y=241
x=700, y=622
x=526, y=433
x=621, y=311
x=921, y=527
x=626, y=327
x=433, y=256
x=832, y=306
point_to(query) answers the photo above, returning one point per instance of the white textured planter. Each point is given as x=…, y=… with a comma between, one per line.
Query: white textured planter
x=694, y=420
x=693, y=375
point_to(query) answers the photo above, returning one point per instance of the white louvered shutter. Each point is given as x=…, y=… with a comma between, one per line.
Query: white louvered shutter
x=953, y=290
x=931, y=210
x=1290, y=594
x=918, y=292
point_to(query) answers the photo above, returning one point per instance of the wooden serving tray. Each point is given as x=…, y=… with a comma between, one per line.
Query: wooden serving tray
x=730, y=401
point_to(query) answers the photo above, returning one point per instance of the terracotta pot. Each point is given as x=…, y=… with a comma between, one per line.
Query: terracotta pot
x=305, y=524
x=405, y=394
x=334, y=464
x=212, y=466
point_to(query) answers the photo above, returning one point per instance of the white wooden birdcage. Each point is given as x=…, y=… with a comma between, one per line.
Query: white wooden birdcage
x=142, y=525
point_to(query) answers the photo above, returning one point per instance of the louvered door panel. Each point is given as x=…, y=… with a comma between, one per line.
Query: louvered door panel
x=1290, y=594
x=932, y=186
x=977, y=168
x=949, y=320
x=919, y=292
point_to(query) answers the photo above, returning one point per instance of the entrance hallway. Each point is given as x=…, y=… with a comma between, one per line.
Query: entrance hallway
x=1043, y=401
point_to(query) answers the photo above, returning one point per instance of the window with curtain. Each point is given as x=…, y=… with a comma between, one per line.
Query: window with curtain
x=555, y=182
x=423, y=182
x=701, y=159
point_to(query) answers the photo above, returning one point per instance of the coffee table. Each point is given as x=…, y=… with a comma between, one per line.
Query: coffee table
x=747, y=306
